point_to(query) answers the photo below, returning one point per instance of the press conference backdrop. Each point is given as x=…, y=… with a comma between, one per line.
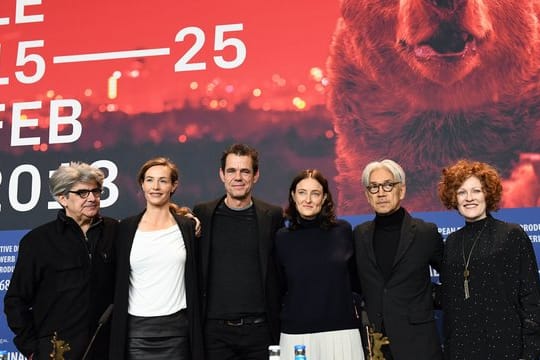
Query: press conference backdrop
x=114, y=83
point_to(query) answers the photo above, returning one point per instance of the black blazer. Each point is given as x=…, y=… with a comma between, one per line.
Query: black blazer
x=127, y=230
x=269, y=220
x=405, y=301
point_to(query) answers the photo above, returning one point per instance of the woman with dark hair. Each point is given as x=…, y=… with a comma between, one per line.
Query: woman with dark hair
x=491, y=289
x=315, y=254
x=156, y=310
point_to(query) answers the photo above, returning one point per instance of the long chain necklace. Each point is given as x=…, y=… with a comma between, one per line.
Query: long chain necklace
x=466, y=272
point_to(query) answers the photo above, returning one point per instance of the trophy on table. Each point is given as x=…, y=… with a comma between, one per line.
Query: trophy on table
x=375, y=341
x=59, y=347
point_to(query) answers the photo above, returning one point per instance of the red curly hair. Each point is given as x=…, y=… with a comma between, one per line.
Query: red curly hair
x=455, y=175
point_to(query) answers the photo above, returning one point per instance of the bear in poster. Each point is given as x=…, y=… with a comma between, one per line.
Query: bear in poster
x=426, y=82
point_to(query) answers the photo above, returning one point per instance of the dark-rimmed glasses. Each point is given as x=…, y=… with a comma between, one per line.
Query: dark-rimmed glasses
x=83, y=193
x=387, y=187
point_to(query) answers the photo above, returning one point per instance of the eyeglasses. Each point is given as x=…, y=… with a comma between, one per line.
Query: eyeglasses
x=387, y=187
x=83, y=193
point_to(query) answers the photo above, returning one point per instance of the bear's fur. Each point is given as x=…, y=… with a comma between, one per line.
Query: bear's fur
x=426, y=82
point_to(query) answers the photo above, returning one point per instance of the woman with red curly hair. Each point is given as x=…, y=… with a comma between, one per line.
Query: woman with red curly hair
x=491, y=289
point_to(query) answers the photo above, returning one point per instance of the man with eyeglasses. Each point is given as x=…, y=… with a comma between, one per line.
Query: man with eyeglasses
x=393, y=254
x=63, y=280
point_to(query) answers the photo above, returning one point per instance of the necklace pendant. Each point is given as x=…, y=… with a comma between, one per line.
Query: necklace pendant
x=467, y=259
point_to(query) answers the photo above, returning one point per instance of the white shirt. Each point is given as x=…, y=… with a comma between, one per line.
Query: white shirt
x=157, y=266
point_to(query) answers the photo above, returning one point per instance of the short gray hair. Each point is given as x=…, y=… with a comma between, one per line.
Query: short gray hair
x=390, y=165
x=65, y=177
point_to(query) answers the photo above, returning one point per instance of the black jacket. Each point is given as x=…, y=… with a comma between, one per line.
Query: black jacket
x=404, y=303
x=62, y=283
x=269, y=220
x=501, y=318
x=127, y=230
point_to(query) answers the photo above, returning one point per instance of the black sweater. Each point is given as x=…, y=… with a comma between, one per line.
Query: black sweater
x=316, y=269
x=386, y=240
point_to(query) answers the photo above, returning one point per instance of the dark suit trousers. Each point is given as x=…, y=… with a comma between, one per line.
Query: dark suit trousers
x=244, y=342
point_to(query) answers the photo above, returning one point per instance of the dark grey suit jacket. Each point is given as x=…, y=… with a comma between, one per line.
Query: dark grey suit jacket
x=269, y=220
x=404, y=303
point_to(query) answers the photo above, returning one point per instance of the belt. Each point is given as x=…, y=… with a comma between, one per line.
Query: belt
x=247, y=320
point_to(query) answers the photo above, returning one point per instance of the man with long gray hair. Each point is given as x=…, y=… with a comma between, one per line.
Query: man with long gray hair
x=63, y=280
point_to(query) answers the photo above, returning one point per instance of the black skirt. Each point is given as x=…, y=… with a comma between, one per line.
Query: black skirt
x=158, y=337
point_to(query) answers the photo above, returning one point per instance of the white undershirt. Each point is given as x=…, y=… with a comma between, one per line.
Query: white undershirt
x=156, y=280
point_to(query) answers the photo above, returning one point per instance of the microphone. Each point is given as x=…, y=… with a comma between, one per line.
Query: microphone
x=102, y=320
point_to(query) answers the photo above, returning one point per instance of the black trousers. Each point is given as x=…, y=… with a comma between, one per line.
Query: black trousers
x=387, y=349
x=242, y=342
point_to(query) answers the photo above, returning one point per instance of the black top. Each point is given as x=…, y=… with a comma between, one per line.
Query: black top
x=316, y=268
x=62, y=283
x=235, y=287
x=501, y=318
x=386, y=240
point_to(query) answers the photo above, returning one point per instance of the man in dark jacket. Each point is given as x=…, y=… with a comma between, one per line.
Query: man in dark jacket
x=63, y=280
x=393, y=255
x=240, y=291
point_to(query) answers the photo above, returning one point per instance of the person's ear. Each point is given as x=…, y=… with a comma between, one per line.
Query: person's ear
x=402, y=191
x=175, y=187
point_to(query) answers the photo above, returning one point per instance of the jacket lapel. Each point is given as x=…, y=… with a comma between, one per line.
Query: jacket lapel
x=186, y=235
x=406, y=238
x=132, y=229
x=206, y=222
x=367, y=240
x=263, y=225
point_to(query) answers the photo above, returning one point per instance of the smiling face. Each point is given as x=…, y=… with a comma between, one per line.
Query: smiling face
x=238, y=178
x=308, y=198
x=158, y=186
x=471, y=200
x=79, y=209
x=385, y=202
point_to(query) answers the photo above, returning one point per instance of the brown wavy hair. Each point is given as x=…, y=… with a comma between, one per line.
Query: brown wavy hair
x=455, y=175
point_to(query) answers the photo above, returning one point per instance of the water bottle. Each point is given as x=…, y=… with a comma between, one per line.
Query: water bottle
x=299, y=352
x=273, y=352
x=3, y=355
